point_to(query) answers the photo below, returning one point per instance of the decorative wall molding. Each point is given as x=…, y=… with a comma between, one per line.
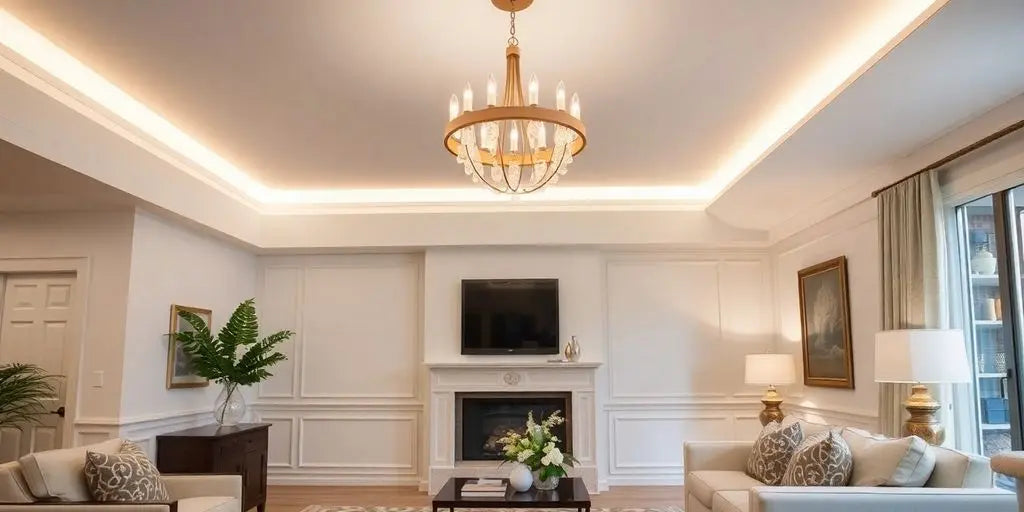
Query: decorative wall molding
x=330, y=431
x=834, y=416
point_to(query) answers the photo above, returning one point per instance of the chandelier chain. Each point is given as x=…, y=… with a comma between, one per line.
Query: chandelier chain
x=512, y=39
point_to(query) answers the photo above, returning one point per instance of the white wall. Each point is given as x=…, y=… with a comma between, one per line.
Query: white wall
x=101, y=241
x=580, y=292
x=678, y=326
x=670, y=330
x=854, y=234
x=346, y=407
x=172, y=264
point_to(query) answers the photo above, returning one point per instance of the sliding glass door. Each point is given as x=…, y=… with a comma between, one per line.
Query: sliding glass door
x=991, y=255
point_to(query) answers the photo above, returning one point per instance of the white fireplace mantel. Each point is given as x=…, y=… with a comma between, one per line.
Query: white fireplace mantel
x=447, y=379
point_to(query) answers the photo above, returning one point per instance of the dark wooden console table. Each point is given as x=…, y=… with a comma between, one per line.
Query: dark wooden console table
x=240, y=450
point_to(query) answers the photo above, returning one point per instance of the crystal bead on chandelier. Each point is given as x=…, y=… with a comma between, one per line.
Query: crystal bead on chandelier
x=506, y=146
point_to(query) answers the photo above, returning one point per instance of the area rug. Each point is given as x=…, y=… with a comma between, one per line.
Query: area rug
x=344, y=508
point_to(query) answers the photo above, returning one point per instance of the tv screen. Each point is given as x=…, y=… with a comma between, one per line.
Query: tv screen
x=510, y=316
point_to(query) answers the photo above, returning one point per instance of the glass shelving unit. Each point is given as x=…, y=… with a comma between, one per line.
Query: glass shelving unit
x=985, y=330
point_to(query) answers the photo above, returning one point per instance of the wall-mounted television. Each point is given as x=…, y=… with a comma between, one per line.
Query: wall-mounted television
x=510, y=316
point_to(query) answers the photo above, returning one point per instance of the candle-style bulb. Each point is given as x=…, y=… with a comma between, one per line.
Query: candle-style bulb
x=513, y=138
x=542, y=136
x=534, y=90
x=574, y=109
x=467, y=98
x=453, y=107
x=492, y=91
x=560, y=96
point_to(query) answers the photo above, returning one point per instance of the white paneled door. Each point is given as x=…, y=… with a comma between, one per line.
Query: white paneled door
x=34, y=329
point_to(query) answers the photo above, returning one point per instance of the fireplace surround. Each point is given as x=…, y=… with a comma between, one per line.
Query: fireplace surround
x=450, y=381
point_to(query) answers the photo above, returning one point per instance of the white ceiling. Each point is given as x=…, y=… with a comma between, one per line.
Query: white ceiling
x=968, y=59
x=328, y=94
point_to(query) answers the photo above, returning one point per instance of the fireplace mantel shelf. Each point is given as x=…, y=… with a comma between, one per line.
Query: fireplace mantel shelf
x=510, y=364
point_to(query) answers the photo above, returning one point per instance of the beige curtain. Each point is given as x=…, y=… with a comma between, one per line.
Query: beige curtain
x=913, y=273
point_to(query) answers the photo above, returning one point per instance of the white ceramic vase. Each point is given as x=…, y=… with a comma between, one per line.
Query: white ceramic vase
x=983, y=262
x=521, y=479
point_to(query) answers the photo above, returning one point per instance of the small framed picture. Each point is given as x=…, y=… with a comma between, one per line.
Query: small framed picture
x=180, y=373
x=825, y=325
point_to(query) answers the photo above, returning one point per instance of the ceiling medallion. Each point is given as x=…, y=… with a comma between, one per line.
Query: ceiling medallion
x=506, y=146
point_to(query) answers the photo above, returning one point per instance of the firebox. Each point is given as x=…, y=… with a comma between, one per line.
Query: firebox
x=483, y=418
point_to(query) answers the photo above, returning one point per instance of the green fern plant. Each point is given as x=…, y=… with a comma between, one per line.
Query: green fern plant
x=218, y=358
x=23, y=387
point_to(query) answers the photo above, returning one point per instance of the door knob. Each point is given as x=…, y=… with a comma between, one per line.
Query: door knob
x=59, y=411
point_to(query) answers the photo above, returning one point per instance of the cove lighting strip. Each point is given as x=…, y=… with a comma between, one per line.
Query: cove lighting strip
x=901, y=17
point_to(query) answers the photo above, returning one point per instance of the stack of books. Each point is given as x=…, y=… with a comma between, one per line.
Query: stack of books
x=484, y=488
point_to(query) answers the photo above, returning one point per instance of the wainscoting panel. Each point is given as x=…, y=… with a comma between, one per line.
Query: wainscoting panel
x=660, y=315
x=279, y=311
x=348, y=409
x=678, y=327
x=360, y=442
x=281, y=452
x=360, y=332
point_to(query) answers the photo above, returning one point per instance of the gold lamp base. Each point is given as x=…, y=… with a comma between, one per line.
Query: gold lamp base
x=771, y=400
x=922, y=422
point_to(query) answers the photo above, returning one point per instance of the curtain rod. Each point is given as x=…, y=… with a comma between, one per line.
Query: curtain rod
x=957, y=154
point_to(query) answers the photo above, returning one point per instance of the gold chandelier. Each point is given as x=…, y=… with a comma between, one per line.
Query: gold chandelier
x=506, y=146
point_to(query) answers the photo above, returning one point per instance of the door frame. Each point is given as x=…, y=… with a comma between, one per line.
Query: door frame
x=79, y=266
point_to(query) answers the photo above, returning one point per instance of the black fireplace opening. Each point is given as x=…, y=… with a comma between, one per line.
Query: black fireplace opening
x=483, y=418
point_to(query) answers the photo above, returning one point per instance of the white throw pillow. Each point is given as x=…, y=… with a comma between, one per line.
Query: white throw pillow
x=880, y=461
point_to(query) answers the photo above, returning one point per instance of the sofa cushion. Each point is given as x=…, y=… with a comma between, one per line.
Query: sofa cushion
x=57, y=474
x=772, y=451
x=209, y=504
x=880, y=461
x=13, y=487
x=957, y=469
x=127, y=475
x=731, y=501
x=704, y=484
x=822, y=459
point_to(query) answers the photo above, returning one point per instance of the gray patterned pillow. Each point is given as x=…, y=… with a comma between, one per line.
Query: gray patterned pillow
x=772, y=450
x=823, y=459
x=128, y=475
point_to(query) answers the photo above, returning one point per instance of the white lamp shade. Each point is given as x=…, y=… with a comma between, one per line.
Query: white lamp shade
x=921, y=356
x=769, y=369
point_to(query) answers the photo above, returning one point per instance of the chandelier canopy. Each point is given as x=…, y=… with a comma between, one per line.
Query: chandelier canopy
x=506, y=146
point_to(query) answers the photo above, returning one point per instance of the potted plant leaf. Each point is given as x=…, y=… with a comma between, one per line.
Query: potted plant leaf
x=23, y=387
x=218, y=359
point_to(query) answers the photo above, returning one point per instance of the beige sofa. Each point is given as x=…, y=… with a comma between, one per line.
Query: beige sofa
x=52, y=481
x=716, y=481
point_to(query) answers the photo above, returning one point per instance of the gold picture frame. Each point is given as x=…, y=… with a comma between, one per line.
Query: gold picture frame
x=825, y=325
x=179, y=368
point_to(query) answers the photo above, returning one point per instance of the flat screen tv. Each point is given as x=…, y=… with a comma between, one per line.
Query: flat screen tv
x=510, y=316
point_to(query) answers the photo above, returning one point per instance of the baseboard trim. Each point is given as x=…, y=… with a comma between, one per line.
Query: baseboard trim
x=642, y=480
x=355, y=480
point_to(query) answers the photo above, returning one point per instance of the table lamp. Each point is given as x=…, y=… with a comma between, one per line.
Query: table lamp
x=770, y=370
x=919, y=357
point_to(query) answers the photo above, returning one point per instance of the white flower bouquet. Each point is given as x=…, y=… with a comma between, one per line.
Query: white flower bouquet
x=537, y=449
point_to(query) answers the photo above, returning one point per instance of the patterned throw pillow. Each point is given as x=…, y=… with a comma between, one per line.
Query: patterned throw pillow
x=128, y=475
x=772, y=450
x=822, y=459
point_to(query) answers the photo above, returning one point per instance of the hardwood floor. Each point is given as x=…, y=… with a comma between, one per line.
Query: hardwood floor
x=295, y=498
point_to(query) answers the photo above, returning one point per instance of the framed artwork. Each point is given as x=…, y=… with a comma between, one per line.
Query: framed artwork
x=180, y=373
x=825, y=325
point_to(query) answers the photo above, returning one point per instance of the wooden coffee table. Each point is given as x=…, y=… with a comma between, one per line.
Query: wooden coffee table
x=571, y=493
